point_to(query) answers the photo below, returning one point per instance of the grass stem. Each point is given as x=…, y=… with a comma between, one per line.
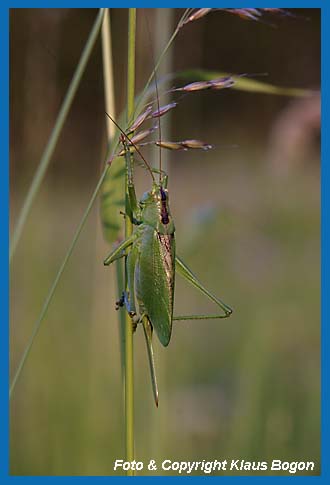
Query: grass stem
x=129, y=356
x=109, y=96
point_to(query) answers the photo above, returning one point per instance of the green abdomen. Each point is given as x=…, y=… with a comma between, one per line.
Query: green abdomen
x=154, y=280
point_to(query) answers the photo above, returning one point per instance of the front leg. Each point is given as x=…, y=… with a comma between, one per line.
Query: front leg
x=127, y=299
x=119, y=251
x=131, y=194
x=135, y=221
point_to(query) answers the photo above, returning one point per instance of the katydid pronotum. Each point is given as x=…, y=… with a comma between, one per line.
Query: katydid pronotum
x=150, y=255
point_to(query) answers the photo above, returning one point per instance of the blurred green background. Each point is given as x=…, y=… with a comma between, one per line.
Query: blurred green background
x=247, y=223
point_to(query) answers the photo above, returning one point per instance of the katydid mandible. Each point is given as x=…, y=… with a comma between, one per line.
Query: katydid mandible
x=151, y=264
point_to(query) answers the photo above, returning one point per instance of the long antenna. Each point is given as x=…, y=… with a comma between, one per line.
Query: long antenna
x=130, y=142
x=158, y=105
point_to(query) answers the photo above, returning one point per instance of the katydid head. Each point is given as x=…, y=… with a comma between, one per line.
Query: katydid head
x=155, y=208
x=157, y=195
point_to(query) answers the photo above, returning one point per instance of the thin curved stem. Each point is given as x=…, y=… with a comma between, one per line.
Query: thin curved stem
x=50, y=295
x=53, y=139
x=159, y=61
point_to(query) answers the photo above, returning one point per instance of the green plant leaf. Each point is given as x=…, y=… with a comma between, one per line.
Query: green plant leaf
x=113, y=201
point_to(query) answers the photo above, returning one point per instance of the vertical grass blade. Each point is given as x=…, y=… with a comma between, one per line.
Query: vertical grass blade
x=53, y=139
x=108, y=73
x=113, y=186
x=129, y=364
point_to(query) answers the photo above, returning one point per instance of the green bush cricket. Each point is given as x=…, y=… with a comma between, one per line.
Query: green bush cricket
x=150, y=257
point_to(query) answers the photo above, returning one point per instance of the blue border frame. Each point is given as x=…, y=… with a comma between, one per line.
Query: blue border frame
x=4, y=229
